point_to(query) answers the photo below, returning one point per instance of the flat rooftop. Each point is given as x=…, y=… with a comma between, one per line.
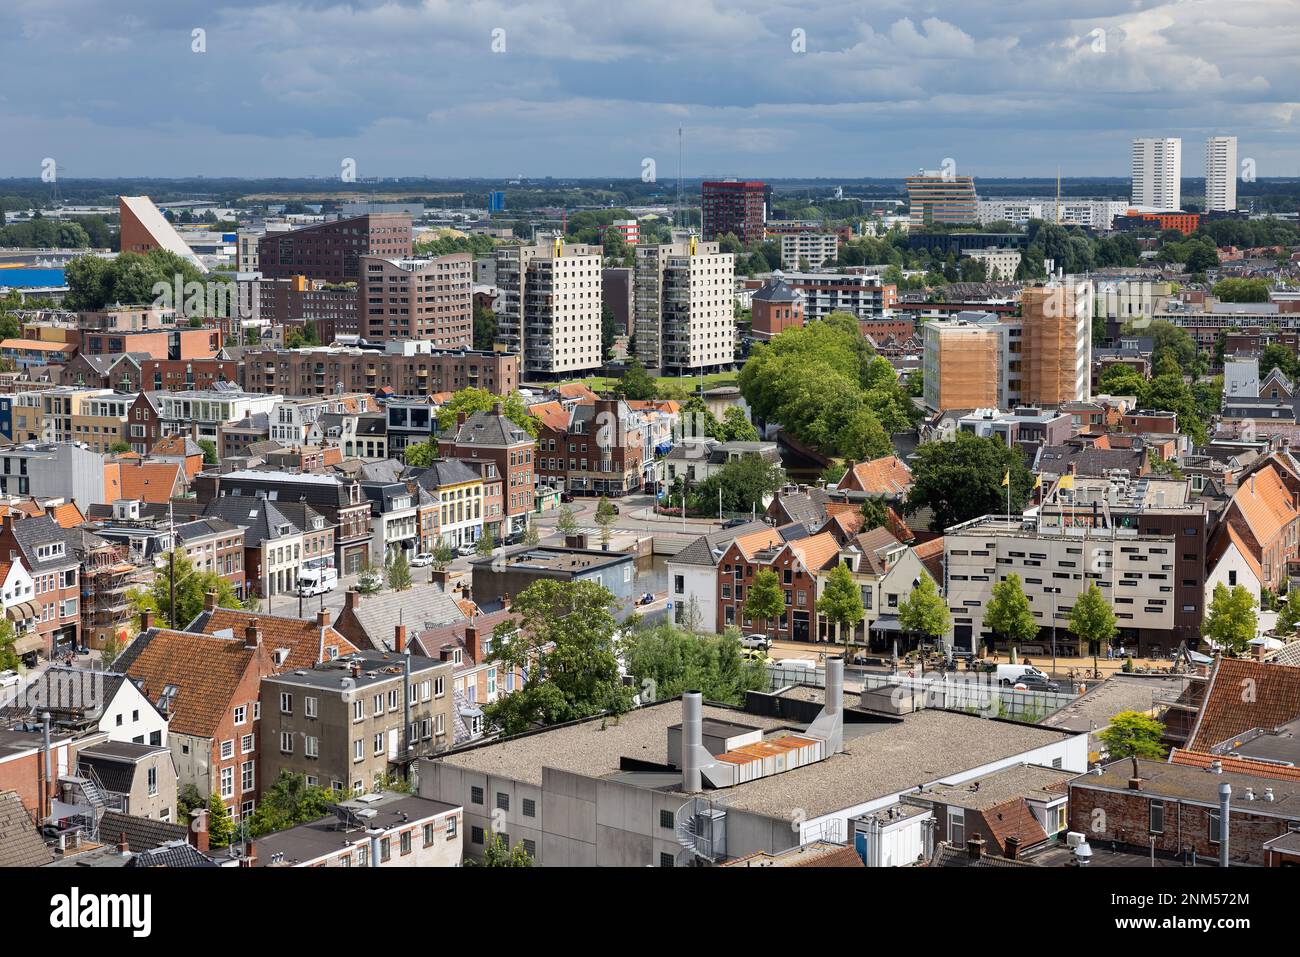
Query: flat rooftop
x=1022, y=780
x=1103, y=700
x=386, y=810
x=1161, y=780
x=879, y=759
x=542, y=558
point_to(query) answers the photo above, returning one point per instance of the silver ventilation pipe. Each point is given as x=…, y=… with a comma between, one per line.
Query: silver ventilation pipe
x=692, y=740
x=1225, y=803
x=829, y=724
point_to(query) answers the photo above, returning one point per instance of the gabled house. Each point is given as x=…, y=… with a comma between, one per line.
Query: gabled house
x=82, y=701
x=796, y=564
x=45, y=550
x=1264, y=514
x=886, y=477
x=208, y=687
x=887, y=571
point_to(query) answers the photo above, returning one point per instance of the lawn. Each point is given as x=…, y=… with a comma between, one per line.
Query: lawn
x=689, y=383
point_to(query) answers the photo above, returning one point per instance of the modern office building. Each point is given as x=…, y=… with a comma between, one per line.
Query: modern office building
x=861, y=295
x=332, y=251
x=1220, y=173
x=426, y=299
x=934, y=196
x=740, y=207
x=684, y=304
x=551, y=306
x=999, y=264
x=144, y=228
x=1157, y=172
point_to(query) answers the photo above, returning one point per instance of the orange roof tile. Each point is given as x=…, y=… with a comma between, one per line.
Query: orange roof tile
x=550, y=414
x=1014, y=819
x=68, y=515
x=302, y=636
x=816, y=550
x=204, y=668
x=1263, y=769
x=1244, y=694
x=148, y=481
x=888, y=475
x=1266, y=504
x=576, y=390
x=757, y=541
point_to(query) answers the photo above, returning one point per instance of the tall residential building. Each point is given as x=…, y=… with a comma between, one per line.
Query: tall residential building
x=935, y=196
x=961, y=365
x=742, y=207
x=549, y=309
x=809, y=250
x=429, y=299
x=332, y=251
x=1220, y=173
x=144, y=228
x=1157, y=172
x=685, y=318
x=1055, y=344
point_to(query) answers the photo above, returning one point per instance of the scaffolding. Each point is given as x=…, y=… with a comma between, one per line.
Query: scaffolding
x=107, y=576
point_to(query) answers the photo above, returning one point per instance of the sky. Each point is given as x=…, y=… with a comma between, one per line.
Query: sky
x=595, y=88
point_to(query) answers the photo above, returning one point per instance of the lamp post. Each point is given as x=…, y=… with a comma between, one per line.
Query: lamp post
x=1054, y=590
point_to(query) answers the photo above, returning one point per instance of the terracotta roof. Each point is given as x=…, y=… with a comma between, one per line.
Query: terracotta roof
x=1263, y=769
x=668, y=406
x=550, y=414
x=205, y=670
x=1227, y=535
x=1014, y=819
x=303, y=637
x=1273, y=699
x=931, y=555
x=757, y=541
x=20, y=843
x=68, y=515
x=816, y=550
x=1265, y=503
x=145, y=481
x=576, y=390
x=888, y=475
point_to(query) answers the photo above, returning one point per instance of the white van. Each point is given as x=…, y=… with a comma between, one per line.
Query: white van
x=797, y=663
x=317, y=581
x=1008, y=675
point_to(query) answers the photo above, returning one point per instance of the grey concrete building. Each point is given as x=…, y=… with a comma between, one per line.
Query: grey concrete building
x=512, y=570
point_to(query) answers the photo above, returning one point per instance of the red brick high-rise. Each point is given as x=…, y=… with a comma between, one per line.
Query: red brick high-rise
x=332, y=251
x=736, y=206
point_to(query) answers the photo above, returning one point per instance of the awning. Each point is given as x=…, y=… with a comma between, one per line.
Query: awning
x=887, y=623
x=29, y=643
x=22, y=611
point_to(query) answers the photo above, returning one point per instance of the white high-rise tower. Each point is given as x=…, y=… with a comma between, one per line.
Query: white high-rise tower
x=1157, y=172
x=1221, y=173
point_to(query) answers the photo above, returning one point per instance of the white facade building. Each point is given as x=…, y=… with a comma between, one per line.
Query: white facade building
x=1157, y=172
x=1221, y=173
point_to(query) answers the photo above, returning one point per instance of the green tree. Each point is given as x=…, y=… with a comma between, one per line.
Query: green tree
x=420, y=454
x=1008, y=613
x=636, y=383
x=291, y=801
x=962, y=479
x=736, y=427
x=1231, y=621
x=209, y=451
x=666, y=660
x=474, y=400
x=9, y=659
x=566, y=523
x=924, y=612
x=485, y=328
x=1092, y=620
x=117, y=448
x=486, y=544
x=1133, y=734
x=397, y=571
x=561, y=634
x=1288, y=617
x=765, y=601
x=841, y=602
x=497, y=854
x=605, y=516
x=443, y=555
x=532, y=536
x=875, y=514
x=370, y=579
x=192, y=587
x=1242, y=290
x=221, y=827
x=745, y=484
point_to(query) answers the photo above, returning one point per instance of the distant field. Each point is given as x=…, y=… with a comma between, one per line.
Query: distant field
x=347, y=197
x=690, y=383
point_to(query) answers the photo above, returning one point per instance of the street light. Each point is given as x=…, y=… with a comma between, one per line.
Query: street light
x=1054, y=591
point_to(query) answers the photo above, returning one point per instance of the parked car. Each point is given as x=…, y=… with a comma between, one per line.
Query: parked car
x=734, y=522
x=760, y=642
x=9, y=678
x=1035, y=683
x=566, y=497
x=317, y=581
x=791, y=663
x=1008, y=675
x=646, y=599
x=422, y=559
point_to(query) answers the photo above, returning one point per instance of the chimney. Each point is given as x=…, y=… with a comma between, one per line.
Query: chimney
x=252, y=634
x=251, y=859
x=354, y=666
x=210, y=601
x=472, y=643
x=323, y=618
x=692, y=740
x=199, y=829
x=146, y=619
x=350, y=599
x=975, y=847
x=1135, y=780
x=1225, y=806
x=399, y=638
x=496, y=408
x=460, y=418
x=123, y=846
x=1013, y=848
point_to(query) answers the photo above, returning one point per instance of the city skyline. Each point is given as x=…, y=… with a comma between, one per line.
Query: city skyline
x=580, y=90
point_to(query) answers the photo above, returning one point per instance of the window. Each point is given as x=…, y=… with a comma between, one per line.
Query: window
x=530, y=847
x=227, y=749
x=286, y=703
x=309, y=707
x=1157, y=822
x=475, y=795
x=227, y=782
x=241, y=714
x=246, y=744
x=428, y=834
x=404, y=842
x=358, y=752
x=385, y=849
x=247, y=778
x=286, y=742
x=503, y=801
x=665, y=860
x=956, y=827
x=1214, y=828
x=311, y=746
x=476, y=835
x=529, y=807
x=666, y=820
x=379, y=743
x=153, y=781
x=451, y=827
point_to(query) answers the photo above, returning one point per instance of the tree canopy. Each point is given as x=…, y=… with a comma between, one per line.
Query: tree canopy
x=667, y=661
x=1008, y=613
x=925, y=612
x=1133, y=734
x=1230, y=621
x=474, y=400
x=962, y=479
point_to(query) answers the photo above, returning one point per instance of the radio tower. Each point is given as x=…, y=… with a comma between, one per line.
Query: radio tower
x=678, y=211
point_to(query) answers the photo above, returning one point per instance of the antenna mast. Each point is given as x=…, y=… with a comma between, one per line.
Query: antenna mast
x=678, y=211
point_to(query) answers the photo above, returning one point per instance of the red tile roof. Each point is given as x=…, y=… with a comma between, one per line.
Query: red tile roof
x=888, y=475
x=303, y=637
x=1013, y=819
x=1244, y=694
x=1261, y=769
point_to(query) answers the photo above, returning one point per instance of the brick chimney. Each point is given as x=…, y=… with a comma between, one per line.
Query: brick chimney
x=399, y=638
x=497, y=408
x=252, y=634
x=198, y=835
x=251, y=859
x=975, y=847
x=351, y=599
x=210, y=601
x=323, y=618
x=1013, y=848
x=146, y=619
x=472, y=643
x=1135, y=780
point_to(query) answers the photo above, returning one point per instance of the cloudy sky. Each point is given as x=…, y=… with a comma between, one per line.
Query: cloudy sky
x=836, y=88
